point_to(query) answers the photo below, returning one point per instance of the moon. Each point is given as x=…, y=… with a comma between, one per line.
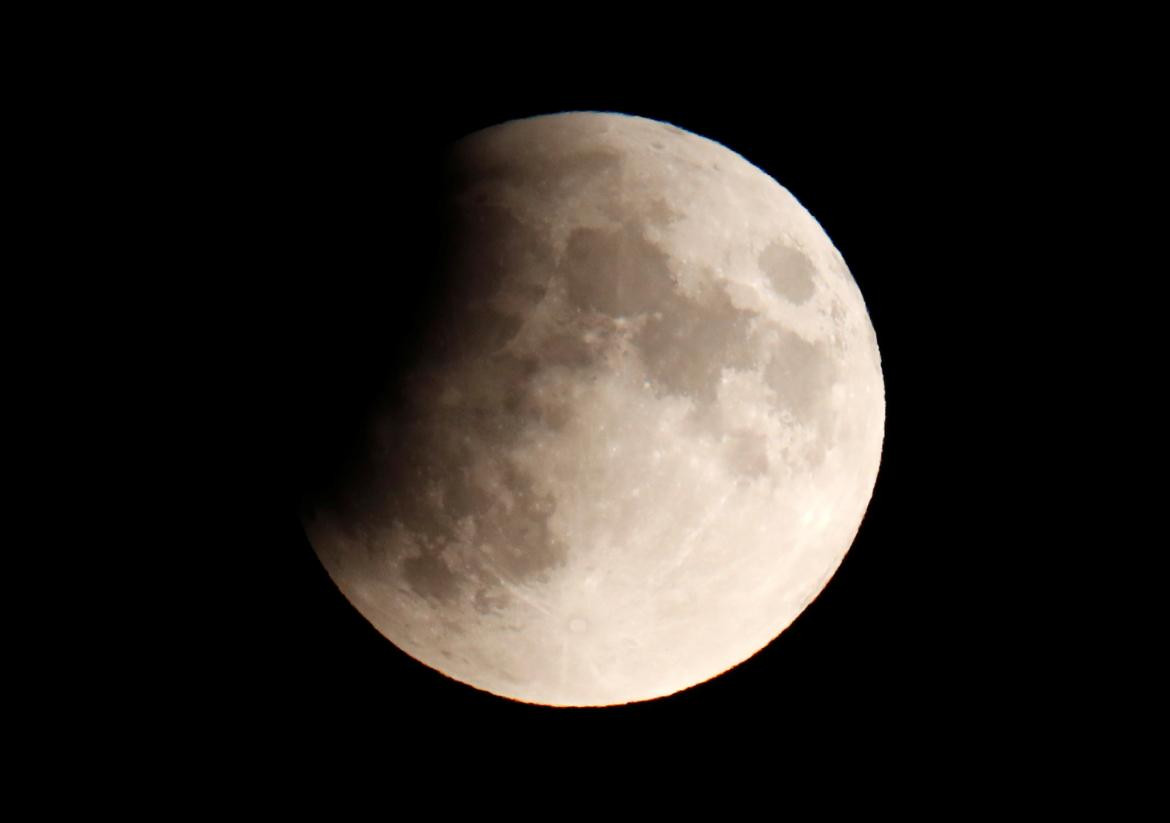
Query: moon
x=642, y=430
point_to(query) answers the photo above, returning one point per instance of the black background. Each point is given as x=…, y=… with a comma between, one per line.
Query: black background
x=313, y=265
x=231, y=225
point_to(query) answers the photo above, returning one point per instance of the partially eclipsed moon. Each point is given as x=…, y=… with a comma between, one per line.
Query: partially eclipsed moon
x=643, y=436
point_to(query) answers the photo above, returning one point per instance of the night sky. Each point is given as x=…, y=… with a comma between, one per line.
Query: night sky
x=319, y=258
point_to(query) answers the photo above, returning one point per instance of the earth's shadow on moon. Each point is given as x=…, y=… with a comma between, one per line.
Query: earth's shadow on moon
x=358, y=331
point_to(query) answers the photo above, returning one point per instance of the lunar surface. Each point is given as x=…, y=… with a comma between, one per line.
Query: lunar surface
x=643, y=431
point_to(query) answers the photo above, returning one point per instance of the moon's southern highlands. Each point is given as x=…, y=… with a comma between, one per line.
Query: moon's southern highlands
x=642, y=431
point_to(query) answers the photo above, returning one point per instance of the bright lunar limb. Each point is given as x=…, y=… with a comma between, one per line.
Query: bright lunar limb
x=643, y=433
